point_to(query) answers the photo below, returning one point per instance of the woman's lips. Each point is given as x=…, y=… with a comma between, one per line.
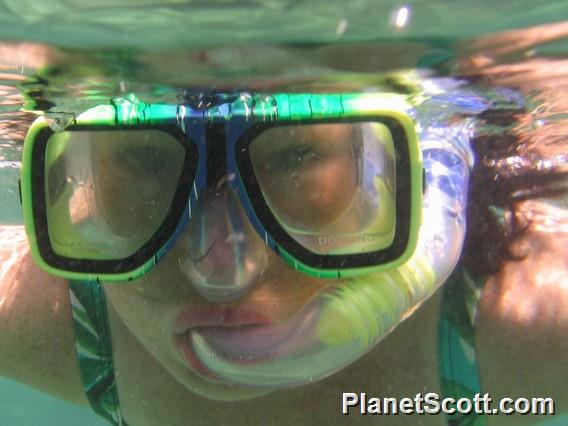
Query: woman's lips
x=217, y=315
x=231, y=319
x=216, y=346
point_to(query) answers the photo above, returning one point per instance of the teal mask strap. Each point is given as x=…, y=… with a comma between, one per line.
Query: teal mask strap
x=457, y=365
x=94, y=350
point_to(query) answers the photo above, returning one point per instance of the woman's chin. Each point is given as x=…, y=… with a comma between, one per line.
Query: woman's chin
x=218, y=389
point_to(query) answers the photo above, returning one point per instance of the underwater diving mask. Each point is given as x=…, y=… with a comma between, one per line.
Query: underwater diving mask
x=331, y=182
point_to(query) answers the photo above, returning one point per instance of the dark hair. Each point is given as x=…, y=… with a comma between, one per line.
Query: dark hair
x=510, y=169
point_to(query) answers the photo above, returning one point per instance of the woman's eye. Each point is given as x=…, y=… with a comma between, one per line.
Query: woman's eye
x=306, y=153
x=294, y=158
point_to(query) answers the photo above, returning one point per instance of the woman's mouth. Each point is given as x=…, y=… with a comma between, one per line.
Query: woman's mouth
x=236, y=346
x=217, y=315
x=217, y=323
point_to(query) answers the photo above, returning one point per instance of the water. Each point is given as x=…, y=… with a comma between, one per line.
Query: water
x=503, y=63
x=169, y=24
x=15, y=409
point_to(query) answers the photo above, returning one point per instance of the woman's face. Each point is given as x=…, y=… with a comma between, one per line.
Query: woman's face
x=220, y=248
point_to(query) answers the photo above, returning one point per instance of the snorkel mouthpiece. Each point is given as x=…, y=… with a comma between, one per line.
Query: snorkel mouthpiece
x=334, y=329
x=345, y=320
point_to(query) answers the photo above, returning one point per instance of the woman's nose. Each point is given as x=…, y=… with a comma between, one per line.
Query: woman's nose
x=222, y=255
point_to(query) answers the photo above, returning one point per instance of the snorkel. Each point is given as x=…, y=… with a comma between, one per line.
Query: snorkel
x=348, y=318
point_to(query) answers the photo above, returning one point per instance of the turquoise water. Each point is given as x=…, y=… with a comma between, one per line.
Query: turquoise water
x=168, y=24
x=63, y=57
x=17, y=402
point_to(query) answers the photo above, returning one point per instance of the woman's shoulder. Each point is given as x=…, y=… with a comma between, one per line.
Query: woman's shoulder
x=532, y=291
x=36, y=329
x=522, y=326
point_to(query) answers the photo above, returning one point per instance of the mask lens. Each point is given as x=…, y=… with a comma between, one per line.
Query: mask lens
x=108, y=192
x=331, y=186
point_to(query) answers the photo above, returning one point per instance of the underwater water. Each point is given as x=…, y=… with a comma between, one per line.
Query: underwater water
x=504, y=60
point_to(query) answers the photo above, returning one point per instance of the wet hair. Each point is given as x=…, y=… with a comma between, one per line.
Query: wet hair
x=510, y=169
